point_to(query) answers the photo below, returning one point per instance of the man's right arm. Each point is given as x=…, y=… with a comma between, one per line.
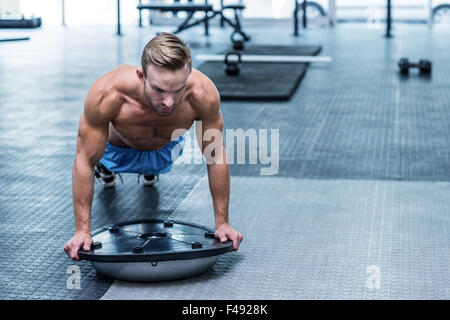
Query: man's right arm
x=99, y=110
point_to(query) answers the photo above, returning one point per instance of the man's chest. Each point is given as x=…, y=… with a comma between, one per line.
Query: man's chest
x=140, y=129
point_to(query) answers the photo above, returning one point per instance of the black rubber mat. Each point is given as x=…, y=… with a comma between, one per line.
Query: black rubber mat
x=261, y=81
x=256, y=81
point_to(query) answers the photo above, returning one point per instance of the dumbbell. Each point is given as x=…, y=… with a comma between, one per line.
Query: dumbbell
x=423, y=65
x=232, y=67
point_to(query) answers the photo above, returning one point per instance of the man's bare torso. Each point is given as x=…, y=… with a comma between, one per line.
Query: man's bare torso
x=136, y=125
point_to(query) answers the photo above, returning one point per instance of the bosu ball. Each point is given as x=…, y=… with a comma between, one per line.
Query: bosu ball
x=154, y=250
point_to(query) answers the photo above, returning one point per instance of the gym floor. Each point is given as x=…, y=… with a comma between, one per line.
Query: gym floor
x=363, y=180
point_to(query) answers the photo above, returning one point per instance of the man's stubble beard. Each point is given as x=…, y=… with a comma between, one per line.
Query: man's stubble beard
x=155, y=108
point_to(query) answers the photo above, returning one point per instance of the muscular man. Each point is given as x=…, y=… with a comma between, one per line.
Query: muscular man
x=129, y=118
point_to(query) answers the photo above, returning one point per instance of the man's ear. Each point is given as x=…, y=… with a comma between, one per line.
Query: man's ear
x=140, y=74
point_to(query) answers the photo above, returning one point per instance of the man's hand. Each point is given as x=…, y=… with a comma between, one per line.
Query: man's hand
x=225, y=232
x=79, y=240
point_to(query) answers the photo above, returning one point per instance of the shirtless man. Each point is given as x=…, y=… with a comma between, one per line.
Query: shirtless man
x=129, y=117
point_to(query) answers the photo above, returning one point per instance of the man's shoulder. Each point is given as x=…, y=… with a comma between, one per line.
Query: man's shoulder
x=122, y=79
x=204, y=97
x=106, y=95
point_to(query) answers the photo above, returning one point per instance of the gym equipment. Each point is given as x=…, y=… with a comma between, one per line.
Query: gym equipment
x=14, y=39
x=441, y=14
x=424, y=66
x=285, y=50
x=191, y=9
x=256, y=81
x=232, y=67
x=21, y=23
x=259, y=81
x=119, y=32
x=11, y=16
x=238, y=43
x=266, y=58
x=154, y=250
x=388, y=19
x=304, y=7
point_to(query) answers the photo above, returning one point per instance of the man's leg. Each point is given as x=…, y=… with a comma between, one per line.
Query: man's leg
x=158, y=161
x=104, y=176
x=148, y=180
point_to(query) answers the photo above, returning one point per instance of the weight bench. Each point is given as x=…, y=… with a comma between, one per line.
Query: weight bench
x=191, y=9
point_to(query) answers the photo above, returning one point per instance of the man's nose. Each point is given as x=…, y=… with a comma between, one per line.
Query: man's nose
x=168, y=100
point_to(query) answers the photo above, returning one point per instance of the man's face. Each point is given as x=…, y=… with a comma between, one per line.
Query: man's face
x=164, y=88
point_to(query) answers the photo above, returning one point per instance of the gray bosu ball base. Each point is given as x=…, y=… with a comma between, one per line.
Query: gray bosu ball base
x=154, y=250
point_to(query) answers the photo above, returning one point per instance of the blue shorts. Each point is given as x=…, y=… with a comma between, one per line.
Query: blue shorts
x=151, y=162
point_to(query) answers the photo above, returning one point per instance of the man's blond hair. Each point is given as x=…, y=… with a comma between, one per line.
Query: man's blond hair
x=168, y=51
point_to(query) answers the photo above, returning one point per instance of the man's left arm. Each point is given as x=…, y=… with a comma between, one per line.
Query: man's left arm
x=210, y=139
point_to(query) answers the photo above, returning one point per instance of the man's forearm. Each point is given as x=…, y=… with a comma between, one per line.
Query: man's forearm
x=83, y=192
x=219, y=185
